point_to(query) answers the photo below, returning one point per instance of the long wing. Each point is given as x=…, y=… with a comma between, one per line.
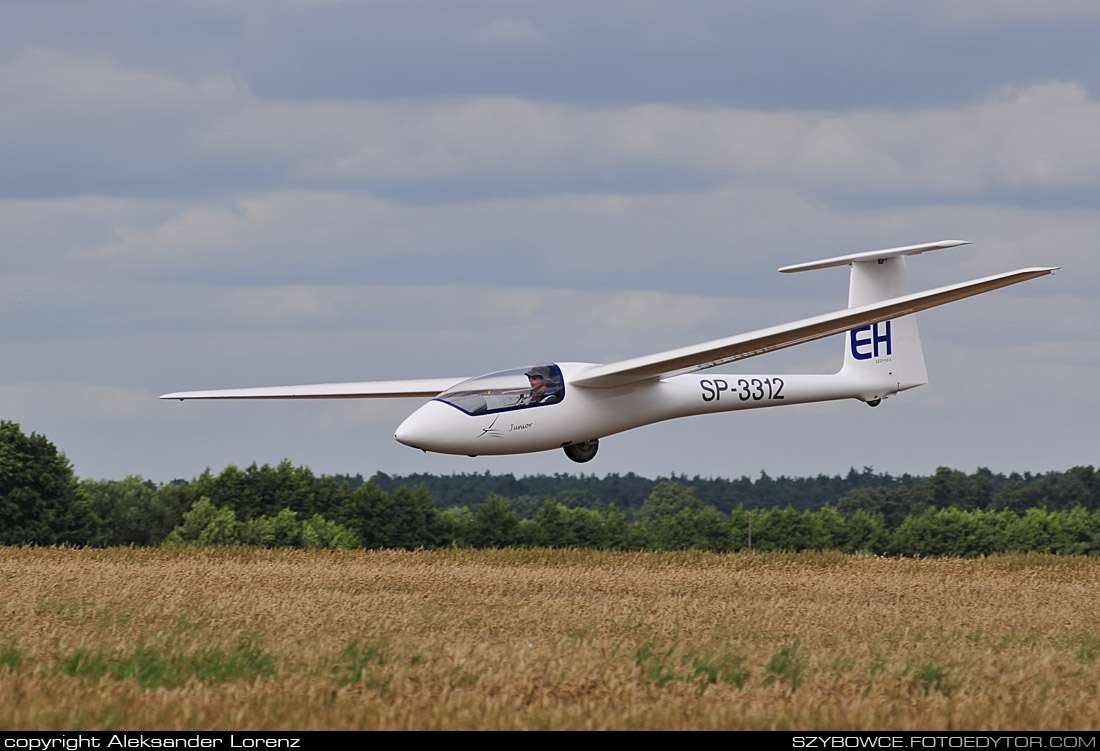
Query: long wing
x=742, y=346
x=425, y=387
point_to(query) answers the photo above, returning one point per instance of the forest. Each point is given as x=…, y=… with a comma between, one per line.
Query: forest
x=950, y=513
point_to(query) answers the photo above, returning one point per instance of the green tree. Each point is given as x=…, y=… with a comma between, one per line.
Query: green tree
x=263, y=490
x=495, y=524
x=455, y=524
x=223, y=529
x=368, y=511
x=667, y=499
x=41, y=501
x=1037, y=530
x=258, y=532
x=948, y=532
x=206, y=524
x=834, y=530
x=554, y=526
x=741, y=522
x=547, y=528
x=280, y=531
x=415, y=523
x=1082, y=532
x=318, y=532
x=865, y=533
x=950, y=488
x=616, y=529
x=331, y=493
x=893, y=505
x=1062, y=491
x=408, y=519
x=702, y=530
x=788, y=529
x=133, y=512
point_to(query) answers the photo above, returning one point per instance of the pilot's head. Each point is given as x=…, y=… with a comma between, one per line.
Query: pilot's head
x=539, y=377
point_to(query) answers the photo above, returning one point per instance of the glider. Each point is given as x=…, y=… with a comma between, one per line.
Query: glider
x=572, y=405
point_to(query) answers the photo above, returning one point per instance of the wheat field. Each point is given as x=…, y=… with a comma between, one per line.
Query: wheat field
x=246, y=639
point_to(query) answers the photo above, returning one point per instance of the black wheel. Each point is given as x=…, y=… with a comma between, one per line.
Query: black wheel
x=582, y=452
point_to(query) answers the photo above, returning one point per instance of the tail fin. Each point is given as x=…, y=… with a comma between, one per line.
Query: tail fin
x=886, y=356
x=889, y=352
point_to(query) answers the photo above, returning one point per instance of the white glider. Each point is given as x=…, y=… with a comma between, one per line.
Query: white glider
x=572, y=405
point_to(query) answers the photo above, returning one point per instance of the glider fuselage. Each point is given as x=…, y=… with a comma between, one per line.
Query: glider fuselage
x=582, y=414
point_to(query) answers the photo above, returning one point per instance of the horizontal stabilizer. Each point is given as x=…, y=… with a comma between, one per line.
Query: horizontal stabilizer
x=424, y=388
x=742, y=346
x=873, y=255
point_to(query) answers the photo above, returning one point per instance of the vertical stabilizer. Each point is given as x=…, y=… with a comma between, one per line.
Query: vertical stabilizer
x=886, y=356
x=889, y=352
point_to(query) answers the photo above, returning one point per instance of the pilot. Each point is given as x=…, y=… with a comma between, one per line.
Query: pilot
x=544, y=387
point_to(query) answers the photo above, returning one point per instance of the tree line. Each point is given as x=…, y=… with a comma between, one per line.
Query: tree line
x=42, y=502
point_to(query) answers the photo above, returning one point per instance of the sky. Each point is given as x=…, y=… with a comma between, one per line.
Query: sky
x=221, y=194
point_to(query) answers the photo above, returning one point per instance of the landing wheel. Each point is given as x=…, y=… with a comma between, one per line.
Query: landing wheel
x=874, y=402
x=582, y=452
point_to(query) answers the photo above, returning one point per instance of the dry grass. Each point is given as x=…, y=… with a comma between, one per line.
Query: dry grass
x=253, y=639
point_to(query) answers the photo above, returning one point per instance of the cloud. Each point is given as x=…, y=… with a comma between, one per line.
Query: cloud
x=95, y=127
x=1032, y=138
x=852, y=53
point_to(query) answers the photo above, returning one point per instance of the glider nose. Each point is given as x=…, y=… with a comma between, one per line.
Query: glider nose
x=422, y=426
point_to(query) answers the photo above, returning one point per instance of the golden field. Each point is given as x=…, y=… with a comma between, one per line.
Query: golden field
x=233, y=638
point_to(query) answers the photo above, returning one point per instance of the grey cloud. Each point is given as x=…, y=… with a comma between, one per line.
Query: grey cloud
x=78, y=128
x=742, y=53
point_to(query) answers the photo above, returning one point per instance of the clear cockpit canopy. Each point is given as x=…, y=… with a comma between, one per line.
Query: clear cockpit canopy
x=518, y=388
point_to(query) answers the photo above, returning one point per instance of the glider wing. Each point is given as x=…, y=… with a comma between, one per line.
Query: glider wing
x=742, y=346
x=424, y=388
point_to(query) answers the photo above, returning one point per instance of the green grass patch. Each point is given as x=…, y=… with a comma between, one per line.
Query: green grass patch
x=362, y=665
x=11, y=657
x=785, y=666
x=692, y=666
x=654, y=665
x=725, y=669
x=151, y=668
x=929, y=676
x=1087, y=644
